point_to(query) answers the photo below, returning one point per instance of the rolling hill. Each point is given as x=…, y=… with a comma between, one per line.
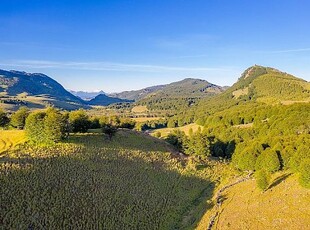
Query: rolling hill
x=259, y=84
x=181, y=94
x=137, y=94
x=104, y=100
x=34, y=90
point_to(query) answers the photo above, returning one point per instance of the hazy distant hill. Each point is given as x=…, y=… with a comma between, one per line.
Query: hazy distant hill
x=105, y=100
x=86, y=95
x=34, y=90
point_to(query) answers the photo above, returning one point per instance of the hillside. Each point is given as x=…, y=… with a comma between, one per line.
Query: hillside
x=132, y=182
x=285, y=205
x=104, y=100
x=261, y=84
x=181, y=94
x=136, y=95
x=34, y=90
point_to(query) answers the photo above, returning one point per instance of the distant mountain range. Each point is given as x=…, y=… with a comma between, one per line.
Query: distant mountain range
x=37, y=90
x=257, y=83
x=86, y=96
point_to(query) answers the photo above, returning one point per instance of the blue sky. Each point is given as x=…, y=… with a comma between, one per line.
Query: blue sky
x=116, y=45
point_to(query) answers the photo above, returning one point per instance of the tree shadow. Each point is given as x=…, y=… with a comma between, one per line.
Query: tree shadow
x=221, y=148
x=97, y=188
x=278, y=180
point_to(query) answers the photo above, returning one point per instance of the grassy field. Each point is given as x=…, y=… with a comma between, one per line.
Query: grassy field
x=10, y=139
x=144, y=119
x=165, y=131
x=139, y=109
x=285, y=205
x=132, y=182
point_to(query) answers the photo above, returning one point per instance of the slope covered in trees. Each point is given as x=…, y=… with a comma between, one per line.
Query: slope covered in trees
x=180, y=95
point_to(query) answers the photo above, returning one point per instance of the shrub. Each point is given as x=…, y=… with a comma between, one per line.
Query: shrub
x=109, y=130
x=262, y=179
x=198, y=144
x=35, y=127
x=18, y=119
x=45, y=127
x=304, y=173
x=157, y=134
x=299, y=156
x=54, y=126
x=79, y=121
x=246, y=160
x=268, y=160
x=4, y=120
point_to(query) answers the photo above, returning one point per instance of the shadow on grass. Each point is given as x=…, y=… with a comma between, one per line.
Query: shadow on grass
x=98, y=190
x=278, y=180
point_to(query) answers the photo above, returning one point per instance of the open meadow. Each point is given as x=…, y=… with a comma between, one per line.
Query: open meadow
x=166, y=131
x=132, y=182
x=11, y=138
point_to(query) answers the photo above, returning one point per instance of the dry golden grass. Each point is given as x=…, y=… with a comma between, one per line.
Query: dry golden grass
x=165, y=131
x=293, y=102
x=139, y=109
x=240, y=92
x=11, y=138
x=143, y=119
x=285, y=205
x=244, y=126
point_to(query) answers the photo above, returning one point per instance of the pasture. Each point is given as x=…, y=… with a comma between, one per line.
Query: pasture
x=165, y=131
x=132, y=182
x=11, y=138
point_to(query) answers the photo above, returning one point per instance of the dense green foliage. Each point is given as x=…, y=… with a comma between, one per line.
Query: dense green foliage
x=262, y=179
x=18, y=119
x=79, y=121
x=180, y=95
x=304, y=171
x=4, y=120
x=46, y=127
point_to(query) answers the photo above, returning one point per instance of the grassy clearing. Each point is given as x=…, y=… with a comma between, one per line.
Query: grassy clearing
x=244, y=126
x=285, y=205
x=165, y=131
x=144, y=119
x=131, y=182
x=10, y=139
x=139, y=109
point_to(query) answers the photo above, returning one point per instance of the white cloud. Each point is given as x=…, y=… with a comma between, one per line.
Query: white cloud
x=105, y=66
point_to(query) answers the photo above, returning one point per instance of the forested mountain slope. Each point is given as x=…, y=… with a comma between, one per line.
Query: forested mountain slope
x=180, y=95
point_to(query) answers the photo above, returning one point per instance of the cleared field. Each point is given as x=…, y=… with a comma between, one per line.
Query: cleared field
x=131, y=182
x=139, y=109
x=11, y=138
x=143, y=119
x=285, y=205
x=165, y=131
